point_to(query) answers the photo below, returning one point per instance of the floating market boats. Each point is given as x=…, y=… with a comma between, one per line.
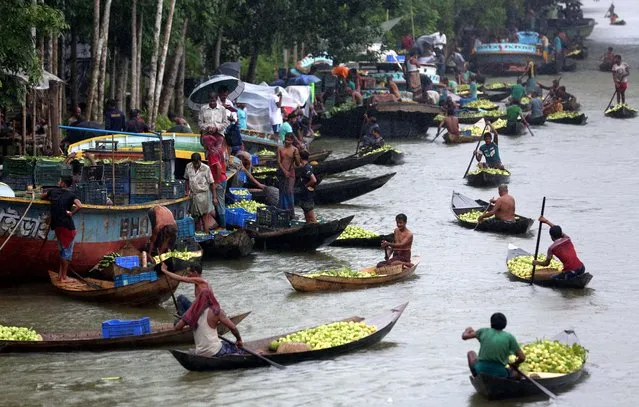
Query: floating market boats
x=543, y=277
x=306, y=237
x=368, y=277
x=161, y=335
x=336, y=192
x=461, y=204
x=32, y=249
x=536, y=121
x=487, y=177
x=575, y=118
x=506, y=58
x=493, y=387
x=330, y=167
x=463, y=138
x=233, y=245
x=384, y=324
x=137, y=294
x=372, y=242
x=621, y=111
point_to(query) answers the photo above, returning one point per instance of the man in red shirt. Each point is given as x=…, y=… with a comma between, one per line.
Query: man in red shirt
x=563, y=249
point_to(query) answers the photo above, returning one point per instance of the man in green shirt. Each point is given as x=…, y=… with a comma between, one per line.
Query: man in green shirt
x=517, y=92
x=513, y=114
x=496, y=345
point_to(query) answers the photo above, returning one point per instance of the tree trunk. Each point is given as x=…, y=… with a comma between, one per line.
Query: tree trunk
x=114, y=73
x=302, y=55
x=250, y=75
x=62, y=94
x=179, y=88
x=104, y=31
x=96, y=47
x=154, y=59
x=138, y=65
x=218, y=48
x=54, y=100
x=134, y=53
x=295, y=53
x=121, y=80
x=167, y=94
x=54, y=55
x=74, y=69
x=165, y=49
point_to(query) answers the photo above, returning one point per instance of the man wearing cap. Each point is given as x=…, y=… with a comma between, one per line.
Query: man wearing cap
x=563, y=249
x=200, y=182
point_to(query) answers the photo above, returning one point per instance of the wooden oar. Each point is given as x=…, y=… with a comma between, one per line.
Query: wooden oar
x=611, y=99
x=168, y=283
x=257, y=355
x=436, y=135
x=487, y=208
x=533, y=381
x=89, y=283
x=543, y=208
x=528, y=127
x=476, y=147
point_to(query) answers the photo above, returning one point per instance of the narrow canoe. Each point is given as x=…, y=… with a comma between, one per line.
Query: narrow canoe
x=161, y=335
x=461, y=204
x=620, y=22
x=143, y=293
x=519, y=130
x=390, y=157
x=384, y=324
x=496, y=96
x=345, y=164
x=302, y=238
x=232, y=246
x=461, y=139
x=576, y=120
x=335, y=192
x=543, y=277
x=495, y=388
x=536, y=121
x=464, y=119
x=383, y=275
x=621, y=113
x=271, y=160
x=484, y=179
x=363, y=241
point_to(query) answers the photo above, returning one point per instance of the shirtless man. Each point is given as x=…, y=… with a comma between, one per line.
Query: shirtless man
x=164, y=230
x=451, y=123
x=288, y=158
x=204, y=315
x=403, y=242
x=503, y=207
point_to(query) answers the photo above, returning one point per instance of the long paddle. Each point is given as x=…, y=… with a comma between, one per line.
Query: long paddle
x=486, y=210
x=476, y=147
x=611, y=99
x=543, y=208
x=257, y=355
x=528, y=127
x=533, y=381
x=436, y=135
x=89, y=283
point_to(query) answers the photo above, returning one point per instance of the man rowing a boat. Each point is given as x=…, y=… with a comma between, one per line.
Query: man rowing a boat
x=503, y=207
x=513, y=114
x=451, y=122
x=563, y=249
x=490, y=150
x=203, y=316
x=496, y=345
x=401, y=247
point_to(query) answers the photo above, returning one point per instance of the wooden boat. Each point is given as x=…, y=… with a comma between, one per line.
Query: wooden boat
x=461, y=204
x=271, y=160
x=537, y=121
x=383, y=275
x=161, y=335
x=621, y=113
x=543, y=277
x=345, y=164
x=33, y=249
x=143, y=293
x=390, y=157
x=519, y=130
x=605, y=66
x=506, y=58
x=618, y=22
x=363, y=241
x=464, y=119
x=484, y=179
x=232, y=246
x=496, y=96
x=384, y=324
x=335, y=192
x=300, y=238
x=502, y=388
x=576, y=120
x=461, y=139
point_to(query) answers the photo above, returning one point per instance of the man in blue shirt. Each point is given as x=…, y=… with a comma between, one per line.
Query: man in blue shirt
x=559, y=52
x=536, y=107
x=490, y=150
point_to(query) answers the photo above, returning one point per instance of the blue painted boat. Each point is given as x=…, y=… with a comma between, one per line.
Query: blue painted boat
x=507, y=58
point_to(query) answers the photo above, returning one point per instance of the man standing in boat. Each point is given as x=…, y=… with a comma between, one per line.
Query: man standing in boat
x=620, y=72
x=503, y=207
x=307, y=182
x=163, y=230
x=203, y=316
x=200, y=182
x=564, y=250
x=490, y=150
x=496, y=345
x=288, y=158
x=64, y=204
x=402, y=245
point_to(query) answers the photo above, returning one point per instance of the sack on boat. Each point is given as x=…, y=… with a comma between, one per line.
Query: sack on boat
x=292, y=347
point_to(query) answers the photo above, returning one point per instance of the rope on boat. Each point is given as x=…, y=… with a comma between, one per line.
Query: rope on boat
x=20, y=221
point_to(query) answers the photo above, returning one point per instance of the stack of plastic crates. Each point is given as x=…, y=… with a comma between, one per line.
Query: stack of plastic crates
x=48, y=171
x=18, y=172
x=173, y=189
x=92, y=192
x=145, y=176
x=122, y=182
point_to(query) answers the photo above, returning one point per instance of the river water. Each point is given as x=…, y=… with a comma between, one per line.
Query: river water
x=588, y=173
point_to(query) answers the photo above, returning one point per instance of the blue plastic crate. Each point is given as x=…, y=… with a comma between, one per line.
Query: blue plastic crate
x=186, y=227
x=116, y=328
x=127, y=279
x=238, y=217
x=237, y=197
x=127, y=262
x=255, y=159
x=242, y=177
